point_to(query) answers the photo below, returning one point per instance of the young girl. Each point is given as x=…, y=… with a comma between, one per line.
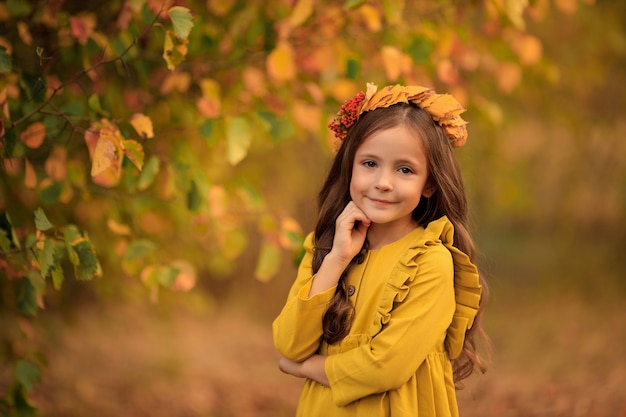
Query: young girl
x=381, y=317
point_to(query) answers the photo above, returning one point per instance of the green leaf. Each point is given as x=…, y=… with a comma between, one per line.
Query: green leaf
x=194, y=199
x=393, y=10
x=51, y=193
x=88, y=262
x=149, y=172
x=72, y=234
x=162, y=275
x=353, y=4
x=134, y=151
x=352, y=69
x=57, y=276
x=239, y=138
x=33, y=86
x=46, y=257
x=268, y=263
x=94, y=104
x=7, y=227
x=26, y=374
x=18, y=8
x=10, y=140
x=41, y=220
x=138, y=249
x=27, y=299
x=420, y=50
x=206, y=129
x=182, y=21
x=174, y=50
x=5, y=242
x=71, y=253
x=6, y=65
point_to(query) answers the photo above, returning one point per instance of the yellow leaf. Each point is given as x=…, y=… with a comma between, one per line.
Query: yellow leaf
x=30, y=177
x=186, y=278
x=508, y=77
x=371, y=17
x=514, y=9
x=179, y=81
x=290, y=233
x=118, y=228
x=107, y=153
x=269, y=262
x=300, y=13
x=566, y=6
x=393, y=10
x=528, y=48
x=174, y=49
x=220, y=7
x=210, y=104
x=393, y=62
x=343, y=89
x=254, y=81
x=143, y=125
x=307, y=115
x=280, y=63
x=34, y=135
x=239, y=139
x=56, y=164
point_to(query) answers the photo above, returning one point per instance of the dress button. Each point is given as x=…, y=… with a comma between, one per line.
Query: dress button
x=351, y=290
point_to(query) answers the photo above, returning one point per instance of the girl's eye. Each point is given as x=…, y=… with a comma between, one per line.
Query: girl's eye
x=369, y=164
x=406, y=170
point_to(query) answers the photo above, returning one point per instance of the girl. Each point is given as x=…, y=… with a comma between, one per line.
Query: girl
x=386, y=294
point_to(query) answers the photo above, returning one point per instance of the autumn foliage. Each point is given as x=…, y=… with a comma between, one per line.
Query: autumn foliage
x=126, y=125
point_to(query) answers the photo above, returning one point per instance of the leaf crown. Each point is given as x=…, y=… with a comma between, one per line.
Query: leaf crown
x=444, y=109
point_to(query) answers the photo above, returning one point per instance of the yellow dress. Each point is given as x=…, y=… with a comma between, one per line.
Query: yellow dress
x=414, y=299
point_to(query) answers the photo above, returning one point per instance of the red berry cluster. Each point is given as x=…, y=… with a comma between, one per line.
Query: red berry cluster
x=347, y=116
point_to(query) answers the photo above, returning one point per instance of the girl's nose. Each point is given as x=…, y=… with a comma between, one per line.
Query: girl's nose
x=383, y=182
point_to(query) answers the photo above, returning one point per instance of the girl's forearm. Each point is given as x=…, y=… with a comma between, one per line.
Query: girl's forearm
x=312, y=368
x=328, y=274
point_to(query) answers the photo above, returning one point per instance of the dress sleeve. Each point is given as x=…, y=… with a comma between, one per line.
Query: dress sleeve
x=298, y=329
x=421, y=305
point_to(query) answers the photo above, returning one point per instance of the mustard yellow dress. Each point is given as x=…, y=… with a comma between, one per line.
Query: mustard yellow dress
x=414, y=299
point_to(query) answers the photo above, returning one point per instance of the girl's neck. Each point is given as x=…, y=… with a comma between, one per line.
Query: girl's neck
x=379, y=235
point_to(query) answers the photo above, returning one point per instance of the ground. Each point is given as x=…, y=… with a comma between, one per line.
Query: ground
x=562, y=357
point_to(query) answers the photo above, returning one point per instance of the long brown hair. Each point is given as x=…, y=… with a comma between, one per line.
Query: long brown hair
x=449, y=199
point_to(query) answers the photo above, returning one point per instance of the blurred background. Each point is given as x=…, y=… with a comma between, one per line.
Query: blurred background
x=160, y=165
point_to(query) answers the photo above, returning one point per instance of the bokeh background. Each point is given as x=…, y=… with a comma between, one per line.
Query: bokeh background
x=216, y=113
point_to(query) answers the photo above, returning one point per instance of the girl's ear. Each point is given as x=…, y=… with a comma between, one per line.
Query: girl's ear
x=429, y=190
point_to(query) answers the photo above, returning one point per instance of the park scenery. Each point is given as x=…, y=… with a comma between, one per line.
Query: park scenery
x=161, y=159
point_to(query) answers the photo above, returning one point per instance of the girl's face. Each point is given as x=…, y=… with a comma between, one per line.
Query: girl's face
x=389, y=175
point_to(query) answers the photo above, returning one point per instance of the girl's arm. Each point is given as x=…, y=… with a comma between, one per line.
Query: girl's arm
x=416, y=327
x=298, y=328
x=312, y=368
x=350, y=232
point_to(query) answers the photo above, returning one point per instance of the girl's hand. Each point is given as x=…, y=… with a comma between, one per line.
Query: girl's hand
x=350, y=232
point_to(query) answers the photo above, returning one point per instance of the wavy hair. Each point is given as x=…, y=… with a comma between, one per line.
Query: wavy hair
x=449, y=199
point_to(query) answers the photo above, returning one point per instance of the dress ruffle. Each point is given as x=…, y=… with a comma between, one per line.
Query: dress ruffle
x=467, y=287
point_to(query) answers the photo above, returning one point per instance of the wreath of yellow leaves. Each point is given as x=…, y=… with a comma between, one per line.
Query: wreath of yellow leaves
x=444, y=109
